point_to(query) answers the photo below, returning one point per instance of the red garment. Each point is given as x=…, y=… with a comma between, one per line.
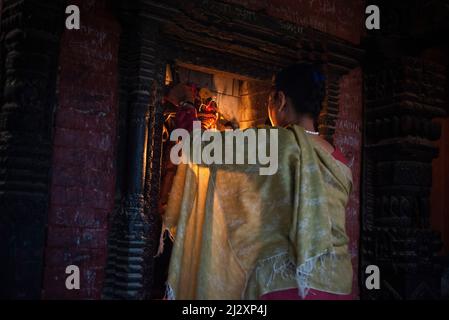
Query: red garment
x=338, y=155
x=185, y=117
x=293, y=294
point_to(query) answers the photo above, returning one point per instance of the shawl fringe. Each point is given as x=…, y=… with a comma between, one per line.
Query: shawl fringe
x=305, y=270
x=282, y=265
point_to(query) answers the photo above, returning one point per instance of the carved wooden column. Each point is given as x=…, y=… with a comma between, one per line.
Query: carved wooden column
x=402, y=97
x=124, y=270
x=30, y=33
x=135, y=228
x=340, y=59
x=153, y=180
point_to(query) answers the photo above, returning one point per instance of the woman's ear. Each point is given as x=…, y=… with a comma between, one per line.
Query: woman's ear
x=282, y=101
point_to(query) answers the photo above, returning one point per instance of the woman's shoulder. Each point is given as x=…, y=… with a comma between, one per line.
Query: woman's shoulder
x=284, y=134
x=272, y=138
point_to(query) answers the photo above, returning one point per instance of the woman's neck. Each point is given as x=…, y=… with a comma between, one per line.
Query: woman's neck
x=306, y=122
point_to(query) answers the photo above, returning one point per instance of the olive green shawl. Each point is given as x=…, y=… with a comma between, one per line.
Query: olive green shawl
x=239, y=235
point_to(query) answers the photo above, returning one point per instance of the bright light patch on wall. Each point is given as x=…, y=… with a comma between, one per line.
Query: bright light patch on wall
x=168, y=75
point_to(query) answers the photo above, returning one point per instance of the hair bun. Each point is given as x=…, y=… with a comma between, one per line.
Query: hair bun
x=305, y=85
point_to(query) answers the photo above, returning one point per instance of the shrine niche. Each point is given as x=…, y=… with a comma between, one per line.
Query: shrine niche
x=241, y=101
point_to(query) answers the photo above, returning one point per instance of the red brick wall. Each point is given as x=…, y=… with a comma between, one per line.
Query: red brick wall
x=83, y=168
x=348, y=137
x=342, y=19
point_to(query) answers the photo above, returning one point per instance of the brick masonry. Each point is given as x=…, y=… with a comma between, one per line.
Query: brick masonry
x=348, y=138
x=83, y=165
x=342, y=19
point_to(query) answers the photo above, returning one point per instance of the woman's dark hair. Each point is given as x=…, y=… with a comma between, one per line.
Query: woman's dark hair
x=304, y=84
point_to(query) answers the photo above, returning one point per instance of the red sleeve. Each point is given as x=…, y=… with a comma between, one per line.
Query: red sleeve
x=185, y=117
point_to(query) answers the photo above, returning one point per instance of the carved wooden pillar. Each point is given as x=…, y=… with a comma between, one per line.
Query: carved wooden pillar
x=30, y=33
x=329, y=114
x=135, y=227
x=401, y=99
x=153, y=180
x=340, y=59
